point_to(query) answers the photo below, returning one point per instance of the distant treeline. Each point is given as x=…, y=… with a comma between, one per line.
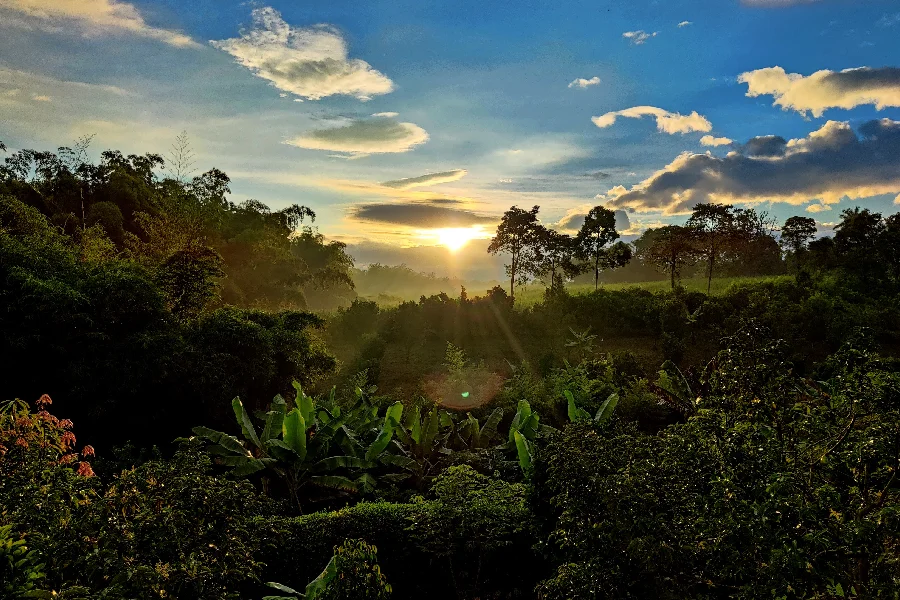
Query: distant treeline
x=389, y=283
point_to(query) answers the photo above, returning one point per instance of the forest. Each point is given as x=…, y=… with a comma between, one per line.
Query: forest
x=205, y=399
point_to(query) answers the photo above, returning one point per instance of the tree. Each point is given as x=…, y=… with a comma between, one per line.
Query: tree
x=557, y=252
x=714, y=227
x=856, y=242
x=796, y=233
x=181, y=158
x=598, y=230
x=188, y=278
x=518, y=235
x=673, y=248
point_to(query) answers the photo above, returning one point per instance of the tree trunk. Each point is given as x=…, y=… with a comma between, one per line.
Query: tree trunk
x=596, y=272
x=712, y=260
x=512, y=281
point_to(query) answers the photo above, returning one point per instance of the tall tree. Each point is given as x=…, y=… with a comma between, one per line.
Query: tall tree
x=598, y=230
x=714, y=227
x=672, y=249
x=557, y=252
x=856, y=242
x=518, y=235
x=796, y=233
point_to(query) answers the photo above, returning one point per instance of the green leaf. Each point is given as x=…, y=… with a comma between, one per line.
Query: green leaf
x=575, y=414
x=282, y=588
x=228, y=442
x=523, y=412
x=281, y=451
x=366, y=483
x=606, y=409
x=489, y=431
x=274, y=419
x=294, y=433
x=672, y=380
x=317, y=586
x=305, y=404
x=244, y=421
x=243, y=466
x=415, y=431
x=333, y=463
x=391, y=419
x=333, y=481
x=394, y=460
x=395, y=412
x=432, y=425
x=524, y=452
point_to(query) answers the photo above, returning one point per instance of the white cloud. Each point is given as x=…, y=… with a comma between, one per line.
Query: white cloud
x=817, y=208
x=708, y=140
x=41, y=85
x=828, y=164
x=685, y=23
x=826, y=89
x=362, y=137
x=426, y=180
x=889, y=20
x=666, y=121
x=91, y=17
x=639, y=37
x=386, y=114
x=584, y=83
x=41, y=98
x=309, y=62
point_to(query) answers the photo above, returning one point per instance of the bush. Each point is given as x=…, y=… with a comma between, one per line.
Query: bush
x=473, y=539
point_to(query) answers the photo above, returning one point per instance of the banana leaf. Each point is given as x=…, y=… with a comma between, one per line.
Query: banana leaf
x=294, y=433
x=607, y=408
x=244, y=421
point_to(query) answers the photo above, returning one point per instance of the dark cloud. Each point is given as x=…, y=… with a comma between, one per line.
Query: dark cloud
x=444, y=201
x=828, y=164
x=419, y=215
x=765, y=145
x=600, y=175
x=574, y=222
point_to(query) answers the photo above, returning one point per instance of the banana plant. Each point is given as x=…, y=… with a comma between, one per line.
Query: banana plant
x=523, y=430
x=577, y=414
x=306, y=446
x=421, y=445
x=673, y=388
x=473, y=435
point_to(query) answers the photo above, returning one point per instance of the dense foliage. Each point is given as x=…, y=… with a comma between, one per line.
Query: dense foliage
x=614, y=444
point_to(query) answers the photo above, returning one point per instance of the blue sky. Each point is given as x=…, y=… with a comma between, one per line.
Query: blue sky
x=497, y=98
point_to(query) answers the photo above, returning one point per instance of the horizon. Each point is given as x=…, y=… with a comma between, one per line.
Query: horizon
x=410, y=127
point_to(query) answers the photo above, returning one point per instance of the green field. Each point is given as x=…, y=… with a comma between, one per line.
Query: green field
x=532, y=294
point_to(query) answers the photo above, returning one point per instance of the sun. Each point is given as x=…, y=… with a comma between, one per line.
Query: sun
x=454, y=238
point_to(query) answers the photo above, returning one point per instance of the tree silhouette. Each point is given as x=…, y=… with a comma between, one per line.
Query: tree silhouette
x=519, y=236
x=796, y=233
x=714, y=228
x=598, y=230
x=672, y=249
x=181, y=158
x=556, y=251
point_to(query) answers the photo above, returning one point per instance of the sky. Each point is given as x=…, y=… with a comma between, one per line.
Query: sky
x=409, y=126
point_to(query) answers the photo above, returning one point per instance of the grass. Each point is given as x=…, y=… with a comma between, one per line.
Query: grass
x=532, y=294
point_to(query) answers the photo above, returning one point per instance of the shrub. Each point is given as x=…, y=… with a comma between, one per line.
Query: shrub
x=474, y=538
